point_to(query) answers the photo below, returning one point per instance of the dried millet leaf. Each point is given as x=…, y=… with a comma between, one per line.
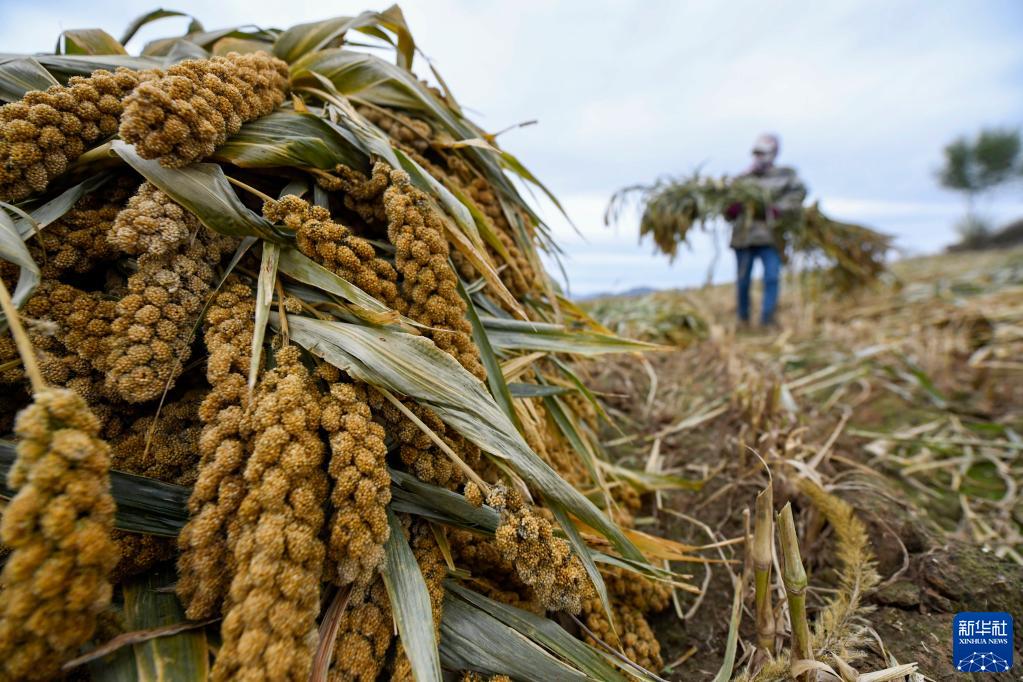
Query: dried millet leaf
x=434, y=569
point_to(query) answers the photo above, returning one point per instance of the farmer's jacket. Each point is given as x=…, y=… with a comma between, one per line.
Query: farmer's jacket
x=786, y=191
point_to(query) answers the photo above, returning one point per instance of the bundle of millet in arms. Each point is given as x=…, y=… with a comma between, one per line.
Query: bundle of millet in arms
x=849, y=255
x=284, y=313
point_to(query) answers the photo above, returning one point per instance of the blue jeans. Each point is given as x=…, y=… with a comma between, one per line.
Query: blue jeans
x=771, y=260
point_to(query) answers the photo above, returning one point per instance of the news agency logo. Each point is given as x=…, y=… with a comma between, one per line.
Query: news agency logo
x=982, y=642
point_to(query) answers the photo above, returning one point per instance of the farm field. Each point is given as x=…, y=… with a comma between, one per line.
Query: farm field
x=904, y=402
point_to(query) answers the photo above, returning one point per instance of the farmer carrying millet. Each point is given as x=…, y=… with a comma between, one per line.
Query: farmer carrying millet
x=756, y=236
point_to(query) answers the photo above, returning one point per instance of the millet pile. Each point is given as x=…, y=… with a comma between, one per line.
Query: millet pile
x=143, y=327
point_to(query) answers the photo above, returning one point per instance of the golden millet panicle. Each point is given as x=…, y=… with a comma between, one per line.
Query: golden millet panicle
x=172, y=454
x=269, y=630
x=70, y=331
x=473, y=494
x=58, y=526
x=362, y=195
x=434, y=569
x=44, y=132
x=639, y=592
x=364, y=636
x=491, y=573
x=84, y=318
x=60, y=317
x=470, y=676
x=139, y=553
x=424, y=459
x=77, y=242
x=361, y=485
x=185, y=115
x=636, y=638
x=430, y=284
x=336, y=248
x=151, y=223
x=544, y=562
x=151, y=336
x=403, y=130
x=203, y=570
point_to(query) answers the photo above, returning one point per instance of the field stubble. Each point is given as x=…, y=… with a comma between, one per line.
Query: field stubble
x=904, y=402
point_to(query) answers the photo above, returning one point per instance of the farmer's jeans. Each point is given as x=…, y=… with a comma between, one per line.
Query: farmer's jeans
x=771, y=260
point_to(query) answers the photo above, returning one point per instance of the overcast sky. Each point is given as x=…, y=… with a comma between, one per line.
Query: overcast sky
x=864, y=94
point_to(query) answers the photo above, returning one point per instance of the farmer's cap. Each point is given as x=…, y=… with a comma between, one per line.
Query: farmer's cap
x=766, y=144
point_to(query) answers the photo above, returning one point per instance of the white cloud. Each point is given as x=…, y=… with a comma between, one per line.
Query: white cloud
x=864, y=92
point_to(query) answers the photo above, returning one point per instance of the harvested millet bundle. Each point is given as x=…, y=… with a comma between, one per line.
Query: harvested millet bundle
x=186, y=114
x=361, y=485
x=269, y=632
x=44, y=132
x=364, y=635
x=430, y=283
x=335, y=247
x=203, y=570
x=434, y=569
x=152, y=333
x=58, y=526
x=636, y=638
x=544, y=562
x=77, y=242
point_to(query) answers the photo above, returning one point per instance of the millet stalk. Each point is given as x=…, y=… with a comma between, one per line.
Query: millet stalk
x=794, y=577
x=763, y=549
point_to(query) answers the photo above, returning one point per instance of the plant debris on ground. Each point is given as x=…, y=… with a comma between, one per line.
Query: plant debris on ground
x=890, y=419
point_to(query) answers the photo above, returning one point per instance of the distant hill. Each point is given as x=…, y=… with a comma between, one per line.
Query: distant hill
x=634, y=291
x=1006, y=237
